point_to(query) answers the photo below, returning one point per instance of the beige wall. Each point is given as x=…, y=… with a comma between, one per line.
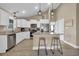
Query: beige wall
x=68, y=12
x=77, y=24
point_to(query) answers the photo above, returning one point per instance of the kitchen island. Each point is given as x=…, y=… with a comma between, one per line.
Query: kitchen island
x=46, y=35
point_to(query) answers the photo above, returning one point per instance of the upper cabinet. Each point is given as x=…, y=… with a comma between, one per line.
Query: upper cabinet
x=4, y=17
x=21, y=23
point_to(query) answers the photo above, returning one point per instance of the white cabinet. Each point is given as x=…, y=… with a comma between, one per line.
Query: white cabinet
x=18, y=23
x=59, y=26
x=45, y=21
x=3, y=43
x=21, y=23
x=21, y=36
x=28, y=24
x=33, y=21
x=18, y=37
x=4, y=17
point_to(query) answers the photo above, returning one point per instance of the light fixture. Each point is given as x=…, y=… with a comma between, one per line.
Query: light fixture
x=36, y=8
x=52, y=11
x=49, y=3
x=39, y=12
x=23, y=11
x=14, y=14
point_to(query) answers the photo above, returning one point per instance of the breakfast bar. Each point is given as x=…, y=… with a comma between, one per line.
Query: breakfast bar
x=48, y=37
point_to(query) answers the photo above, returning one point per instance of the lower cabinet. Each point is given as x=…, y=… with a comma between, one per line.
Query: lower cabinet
x=8, y=41
x=21, y=36
x=3, y=43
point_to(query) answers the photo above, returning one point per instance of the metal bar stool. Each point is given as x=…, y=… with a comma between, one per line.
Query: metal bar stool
x=56, y=44
x=44, y=41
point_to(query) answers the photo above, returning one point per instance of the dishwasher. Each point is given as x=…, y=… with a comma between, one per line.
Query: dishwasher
x=11, y=42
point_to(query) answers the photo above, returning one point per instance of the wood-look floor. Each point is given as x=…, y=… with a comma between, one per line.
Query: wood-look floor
x=25, y=49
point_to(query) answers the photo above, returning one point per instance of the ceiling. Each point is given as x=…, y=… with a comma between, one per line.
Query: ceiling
x=26, y=9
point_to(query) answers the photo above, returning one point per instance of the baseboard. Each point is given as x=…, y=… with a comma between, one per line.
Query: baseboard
x=2, y=51
x=74, y=46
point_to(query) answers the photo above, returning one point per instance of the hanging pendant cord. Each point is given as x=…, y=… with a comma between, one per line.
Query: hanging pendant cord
x=52, y=6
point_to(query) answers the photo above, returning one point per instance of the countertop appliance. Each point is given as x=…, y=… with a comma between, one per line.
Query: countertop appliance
x=22, y=29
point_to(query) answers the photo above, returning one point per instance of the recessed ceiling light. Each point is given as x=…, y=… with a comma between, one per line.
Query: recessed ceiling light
x=36, y=8
x=49, y=3
x=23, y=11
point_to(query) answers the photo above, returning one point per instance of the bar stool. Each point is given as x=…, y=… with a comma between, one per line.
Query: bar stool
x=44, y=44
x=56, y=44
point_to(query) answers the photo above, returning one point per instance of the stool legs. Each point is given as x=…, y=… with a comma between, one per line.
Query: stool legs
x=45, y=47
x=40, y=45
x=51, y=47
x=56, y=45
x=61, y=51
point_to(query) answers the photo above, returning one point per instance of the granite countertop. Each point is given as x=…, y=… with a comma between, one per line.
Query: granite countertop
x=9, y=32
x=41, y=33
x=6, y=33
x=47, y=33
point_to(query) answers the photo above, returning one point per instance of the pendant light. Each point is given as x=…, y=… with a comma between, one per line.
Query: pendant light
x=14, y=15
x=39, y=12
x=52, y=11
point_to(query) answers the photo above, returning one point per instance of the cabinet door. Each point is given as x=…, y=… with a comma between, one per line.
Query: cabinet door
x=18, y=23
x=4, y=17
x=3, y=43
x=21, y=23
x=28, y=24
x=24, y=23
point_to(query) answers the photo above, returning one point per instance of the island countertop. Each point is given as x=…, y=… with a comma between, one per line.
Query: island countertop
x=48, y=37
x=41, y=33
